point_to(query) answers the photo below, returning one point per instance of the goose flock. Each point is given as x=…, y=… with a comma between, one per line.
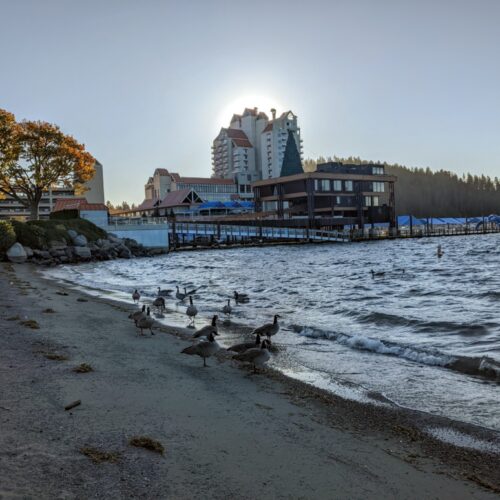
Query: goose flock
x=255, y=353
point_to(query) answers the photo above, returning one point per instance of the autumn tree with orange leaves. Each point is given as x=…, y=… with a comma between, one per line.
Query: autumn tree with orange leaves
x=36, y=156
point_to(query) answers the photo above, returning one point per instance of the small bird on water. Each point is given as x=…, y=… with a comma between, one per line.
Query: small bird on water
x=241, y=298
x=136, y=296
x=227, y=308
x=163, y=293
x=440, y=251
x=204, y=349
x=378, y=274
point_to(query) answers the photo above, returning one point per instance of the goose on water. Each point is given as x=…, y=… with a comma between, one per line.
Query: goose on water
x=227, y=308
x=136, y=296
x=241, y=298
x=163, y=293
x=179, y=295
x=377, y=274
x=440, y=251
x=204, y=349
x=191, y=310
x=146, y=322
x=258, y=356
x=159, y=302
x=244, y=346
x=269, y=329
x=138, y=314
x=207, y=330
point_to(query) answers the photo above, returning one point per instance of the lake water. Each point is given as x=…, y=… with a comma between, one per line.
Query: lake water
x=425, y=335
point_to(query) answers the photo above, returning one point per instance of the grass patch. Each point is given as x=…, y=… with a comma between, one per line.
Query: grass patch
x=98, y=457
x=30, y=323
x=49, y=310
x=55, y=357
x=83, y=368
x=148, y=443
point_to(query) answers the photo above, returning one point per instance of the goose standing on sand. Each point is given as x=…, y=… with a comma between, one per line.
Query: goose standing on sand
x=191, y=310
x=378, y=274
x=440, y=252
x=146, y=322
x=159, y=303
x=227, y=308
x=207, y=330
x=269, y=329
x=204, y=349
x=136, y=296
x=241, y=298
x=244, y=346
x=258, y=356
x=137, y=314
x=163, y=293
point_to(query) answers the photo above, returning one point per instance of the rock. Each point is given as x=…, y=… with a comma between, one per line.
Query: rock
x=57, y=244
x=124, y=253
x=72, y=233
x=29, y=252
x=82, y=253
x=41, y=254
x=80, y=241
x=17, y=254
x=114, y=239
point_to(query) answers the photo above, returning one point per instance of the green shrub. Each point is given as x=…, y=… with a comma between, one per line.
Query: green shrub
x=7, y=235
x=53, y=230
x=29, y=235
x=57, y=229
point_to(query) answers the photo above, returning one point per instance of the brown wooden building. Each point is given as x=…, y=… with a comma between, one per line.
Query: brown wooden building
x=334, y=196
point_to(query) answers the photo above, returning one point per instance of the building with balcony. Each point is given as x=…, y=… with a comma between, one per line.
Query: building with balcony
x=336, y=195
x=11, y=208
x=253, y=147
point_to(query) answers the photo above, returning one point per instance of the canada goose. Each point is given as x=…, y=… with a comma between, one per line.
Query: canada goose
x=241, y=298
x=440, y=252
x=137, y=314
x=227, y=308
x=159, y=302
x=136, y=296
x=179, y=295
x=258, y=356
x=146, y=322
x=245, y=345
x=191, y=310
x=204, y=349
x=191, y=292
x=207, y=330
x=378, y=274
x=163, y=293
x=269, y=329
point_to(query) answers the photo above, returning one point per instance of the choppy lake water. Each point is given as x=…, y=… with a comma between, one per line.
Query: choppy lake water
x=426, y=335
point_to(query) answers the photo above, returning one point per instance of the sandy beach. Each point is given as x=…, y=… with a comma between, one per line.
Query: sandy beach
x=227, y=433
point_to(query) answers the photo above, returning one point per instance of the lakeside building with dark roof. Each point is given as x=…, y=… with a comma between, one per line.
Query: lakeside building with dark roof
x=335, y=196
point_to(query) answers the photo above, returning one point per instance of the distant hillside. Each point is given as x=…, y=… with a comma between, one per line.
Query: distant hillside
x=425, y=193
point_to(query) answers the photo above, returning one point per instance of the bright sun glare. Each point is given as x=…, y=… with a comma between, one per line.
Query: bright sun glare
x=264, y=103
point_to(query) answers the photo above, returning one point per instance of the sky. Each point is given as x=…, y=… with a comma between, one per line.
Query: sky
x=149, y=83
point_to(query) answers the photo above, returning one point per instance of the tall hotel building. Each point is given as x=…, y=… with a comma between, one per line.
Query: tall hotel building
x=255, y=147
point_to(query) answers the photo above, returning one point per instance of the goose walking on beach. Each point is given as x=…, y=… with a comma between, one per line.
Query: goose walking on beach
x=227, y=308
x=244, y=346
x=377, y=274
x=159, y=303
x=269, y=329
x=136, y=296
x=207, y=330
x=146, y=322
x=163, y=293
x=204, y=349
x=137, y=314
x=258, y=356
x=241, y=298
x=191, y=311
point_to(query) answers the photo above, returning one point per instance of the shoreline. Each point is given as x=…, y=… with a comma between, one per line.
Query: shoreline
x=389, y=443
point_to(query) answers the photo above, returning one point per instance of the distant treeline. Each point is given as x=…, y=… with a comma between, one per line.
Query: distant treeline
x=425, y=193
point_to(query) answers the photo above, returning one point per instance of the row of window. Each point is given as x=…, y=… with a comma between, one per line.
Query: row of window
x=348, y=186
x=209, y=188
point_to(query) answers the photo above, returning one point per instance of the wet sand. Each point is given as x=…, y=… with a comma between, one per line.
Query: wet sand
x=227, y=433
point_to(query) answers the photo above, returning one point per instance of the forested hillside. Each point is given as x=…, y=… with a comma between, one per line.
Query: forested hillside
x=425, y=193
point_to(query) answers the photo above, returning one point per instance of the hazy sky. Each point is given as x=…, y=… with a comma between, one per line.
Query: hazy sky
x=149, y=83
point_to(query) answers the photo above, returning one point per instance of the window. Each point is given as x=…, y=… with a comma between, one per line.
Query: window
x=348, y=185
x=337, y=185
x=368, y=201
x=375, y=201
x=378, y=170
x=378, y=187
x=316, y=185
x=337, y=200
x=325, y=185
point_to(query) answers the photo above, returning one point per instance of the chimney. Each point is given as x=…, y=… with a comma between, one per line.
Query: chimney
x=273, y=112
